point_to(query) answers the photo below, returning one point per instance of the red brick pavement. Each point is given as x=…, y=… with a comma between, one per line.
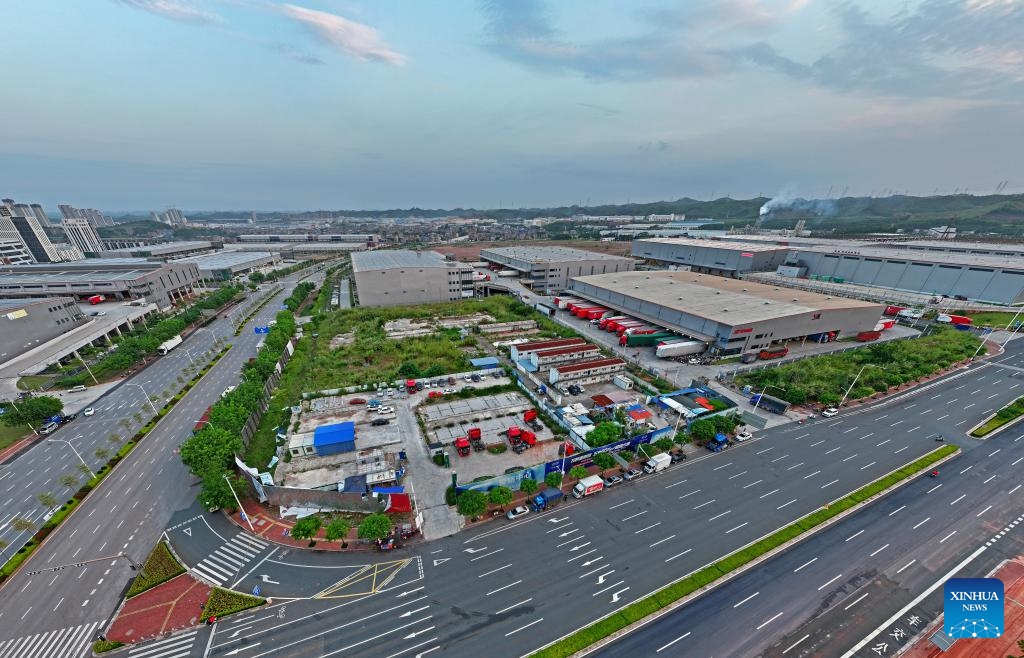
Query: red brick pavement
x=277, y=530
x=172, y=606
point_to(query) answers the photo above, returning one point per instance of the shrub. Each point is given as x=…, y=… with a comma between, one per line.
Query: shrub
x=603, y=460
x=471, y=503
x=375, y=526
x=338, y=528
x=577, y=472
x=307, y=527
x=160, y=567
x=497, y=448
x=627, y=455
x=224, y=602
x=103, y=646
x=528, y=486
x=500, y=496
x=553, y=479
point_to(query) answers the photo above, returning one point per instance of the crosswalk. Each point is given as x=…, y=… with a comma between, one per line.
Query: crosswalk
x=176, y=646
x=70, y=642
x=226, y=562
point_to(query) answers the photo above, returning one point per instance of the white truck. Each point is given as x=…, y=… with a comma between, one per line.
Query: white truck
x=658, y=462
x=685, y=348
x=588, y=485
x=169, y=344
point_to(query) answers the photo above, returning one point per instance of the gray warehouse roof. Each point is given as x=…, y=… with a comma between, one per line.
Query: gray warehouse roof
x=723, y=300
x=534, y=254
x=390, y=259
x=729, y=245
x=165, y=248
x=222, y=260
x=22, y=303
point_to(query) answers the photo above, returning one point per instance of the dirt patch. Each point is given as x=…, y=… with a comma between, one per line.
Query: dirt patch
x=343, y=339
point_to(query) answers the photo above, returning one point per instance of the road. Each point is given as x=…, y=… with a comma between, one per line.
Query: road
x=527, y=583
x=56, y=614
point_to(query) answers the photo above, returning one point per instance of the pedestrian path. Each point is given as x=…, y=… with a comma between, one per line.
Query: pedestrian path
x=224, y=564
x=70, y=642
x=176, y=646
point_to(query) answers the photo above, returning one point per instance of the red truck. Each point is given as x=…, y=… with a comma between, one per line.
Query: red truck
x=946, y=318
x=893, y=310
x=462, y=446
x=410, y=386
x=530, y=415
x=866, y=336
x=514, y=435
x=584, y=311
x=615, y=325
x=595, y=314
x=773, y=353
x=605, y=321
x=97, y=299
x=631, y=324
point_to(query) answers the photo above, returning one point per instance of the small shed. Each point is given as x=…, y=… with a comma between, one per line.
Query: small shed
x=485, y=363
x=332, y=439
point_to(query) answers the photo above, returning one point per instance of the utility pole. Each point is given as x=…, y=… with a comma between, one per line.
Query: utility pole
x=241, y=510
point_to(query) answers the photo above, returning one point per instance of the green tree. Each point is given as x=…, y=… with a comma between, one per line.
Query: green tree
x=663, y=444
x=528, y=486
x=338, y=528
x=307, y=527
x=603, y=460
x=31, y=411
x=409, y=370
x=101, y=453
x=702, y=430
x=115, y=439
x=627, y=455
x=603, y=434
x=84, y=469
x=3, y=549
x=215, y=491
x=500, y=496
x=69, y=480
x=211, y=447
x=376, y=526
x=577, y=472
x=46, y=499
x=471, y=503
x=22, y=525
x=553, y=479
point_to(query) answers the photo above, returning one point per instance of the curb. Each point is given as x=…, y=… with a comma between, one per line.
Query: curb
x=998, y=429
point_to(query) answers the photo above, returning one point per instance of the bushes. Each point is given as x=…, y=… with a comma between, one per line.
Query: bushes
x=553, y=480
x=1004, y=416
x=103, y=646
x=224, y=602
x=497, y=448
x=160, y=567
x=604, y=460
x=471, y=503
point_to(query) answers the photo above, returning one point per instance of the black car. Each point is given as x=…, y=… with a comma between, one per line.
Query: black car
x=380, y=421
x=678, y=457
x=475, y=378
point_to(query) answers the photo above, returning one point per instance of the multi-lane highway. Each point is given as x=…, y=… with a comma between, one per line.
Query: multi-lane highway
x=56, y=614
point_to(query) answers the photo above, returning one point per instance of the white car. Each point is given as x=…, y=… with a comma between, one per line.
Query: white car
x=448, y=391
x=385, y=410
x=830, y=412
x=89, y=411
x=744, y=436
x=227, y=391
x=514, y=514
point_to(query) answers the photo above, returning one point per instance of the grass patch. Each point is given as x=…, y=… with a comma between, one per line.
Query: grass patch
x=994, y=319
x=160, y=567
x=9, y=435
x=33, y=382
x=103, y=646
x=224, y=602
x=1004, y=416
x=599, y=630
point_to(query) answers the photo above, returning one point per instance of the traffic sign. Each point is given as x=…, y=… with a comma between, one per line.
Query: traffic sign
x=256, y=590
x=261, y=330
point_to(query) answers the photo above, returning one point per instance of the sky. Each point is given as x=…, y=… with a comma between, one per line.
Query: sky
x=347, y=104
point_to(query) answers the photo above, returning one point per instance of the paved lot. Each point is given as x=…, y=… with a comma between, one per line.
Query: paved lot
x=486, y=406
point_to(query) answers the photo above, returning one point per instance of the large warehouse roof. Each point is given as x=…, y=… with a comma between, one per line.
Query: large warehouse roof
x=556, y=254
x=390, y=259
x=723, y=300
x=225, y=259
x=730, y=245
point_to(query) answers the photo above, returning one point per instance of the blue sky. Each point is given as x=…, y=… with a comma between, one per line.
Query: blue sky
x=238, y=104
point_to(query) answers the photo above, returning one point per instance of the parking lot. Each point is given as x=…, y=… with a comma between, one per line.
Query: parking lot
x=488, y=406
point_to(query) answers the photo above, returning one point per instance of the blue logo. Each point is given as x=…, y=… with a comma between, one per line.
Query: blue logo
x=973, y=608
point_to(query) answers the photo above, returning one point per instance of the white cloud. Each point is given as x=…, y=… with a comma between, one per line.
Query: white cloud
x=355, y=39
x=175, y=10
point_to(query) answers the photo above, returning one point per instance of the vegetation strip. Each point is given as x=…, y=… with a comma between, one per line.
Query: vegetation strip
x=633, y=613
x=161, y=566
x=1000, y=419
x=65, y=510
x=224, y=602
x=241, y=325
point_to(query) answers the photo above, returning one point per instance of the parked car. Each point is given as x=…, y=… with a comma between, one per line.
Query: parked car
x=830, y=412
x=612, y=480
x=76, y=389
x=100, y=313
x=89, y=411
x=514, y=514
x=448, y=391
x=744, y=436
x=468, y=378
x=385, y=410
x=678, y=457
x=631, y=474
x=227, y=391
x=497, y=374
x=380, y=421
x=451, y=381
x=475, y=377
x=435, y=394
x=357, y=401
x=48, y=428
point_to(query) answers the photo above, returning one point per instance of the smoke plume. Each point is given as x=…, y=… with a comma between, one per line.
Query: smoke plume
x=821, y=207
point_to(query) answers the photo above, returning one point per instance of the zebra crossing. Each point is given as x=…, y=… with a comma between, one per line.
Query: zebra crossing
x=70, y=642
x=176, y=646
x=226, y=562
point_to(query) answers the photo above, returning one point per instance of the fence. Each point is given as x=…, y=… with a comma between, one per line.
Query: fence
x=253, y=422
x=347, y=502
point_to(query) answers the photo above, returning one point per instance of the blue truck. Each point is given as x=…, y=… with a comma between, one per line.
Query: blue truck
x=719, y=443
x=545, y=499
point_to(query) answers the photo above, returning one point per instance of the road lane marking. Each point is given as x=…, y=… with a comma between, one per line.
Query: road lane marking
x=718, y=516
x=681, y=637
x=810, y=475
x=704, y=504
x=769, y=493
x=633, y=516
x=718, y=468
x=829, y=484
x=795, y=466
x=768, y=621
x=732, y=477
x=993, y=454
x=801, y=436
x=689, y=494
x=879, y=550
x=941, y=417
x=662, y=541
x=857, y=600
x=947, y=536
x=745, y=600
x=983, y=511
x=905, y=566
x=524, y=627
x=752, y=484
x=786, y=504
x=504, y=587
x=623, y=503
x=779, y=458
x=933, y=488
x=593, y=550
x=967, y=469
x=962, y=496
x=653, y=525
x=868, y=465
x=854, y=535
x=992, y=478
x=850, y=457
x=793, y=646
x=805, y=564
x=913, y=429
x=736, y=528
x=900, y=450
x=817, y=443
x=602, y=591
x=850, y=430
x=832, y=450
x=922, y=523
x=679, y=555
x=897, y=510
x=830, y=582
x=514, y=605
x=675, y=484
x=480, y=557
x=759, y=452
x=488, y=573
x=878, y=445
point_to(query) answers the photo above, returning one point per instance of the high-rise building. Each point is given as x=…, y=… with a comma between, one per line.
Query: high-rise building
x=82, y=234
x=13, y=252
x=34, y=237
x=37, y=210
x=95, y=217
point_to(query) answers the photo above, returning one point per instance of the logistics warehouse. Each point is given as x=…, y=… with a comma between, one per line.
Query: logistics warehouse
x=731, y=315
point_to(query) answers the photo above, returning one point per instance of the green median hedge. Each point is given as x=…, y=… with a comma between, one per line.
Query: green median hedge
x=224, y=602
x=1004, y=416
x=161, y=566
x=649, y=605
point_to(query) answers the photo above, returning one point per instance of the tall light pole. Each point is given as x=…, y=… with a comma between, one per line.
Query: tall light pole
x=241, y=509
x=761, y=395
x=146, y=395
x=1009, y=324
x=217, y=338
x=854, y=382
x=74, y=450
x=206, y=422
x=190, y=359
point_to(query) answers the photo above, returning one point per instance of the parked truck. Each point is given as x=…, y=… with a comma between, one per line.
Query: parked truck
x=769, y=403
x=462, y=446
x=644, y=340
x=616, y=325
x=587, y=486
x=632, y=324
x=685, y=348
x=410, y=386
x=658, y=462
x=97, y=299
x=546, y=499
x=893, y=311
x=605, y=321
x=946, y=318
x=169, y=344
x=773, y=353
x=595, y=313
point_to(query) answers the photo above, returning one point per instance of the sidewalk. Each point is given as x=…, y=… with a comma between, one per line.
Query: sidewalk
x=171, y=606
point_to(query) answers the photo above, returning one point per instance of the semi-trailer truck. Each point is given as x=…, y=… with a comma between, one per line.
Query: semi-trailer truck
x=605, y=321
x=96, y=299
x=643, y=340
x=685, y=348
x=169, y=344
x=587, y=486
x=632, y=324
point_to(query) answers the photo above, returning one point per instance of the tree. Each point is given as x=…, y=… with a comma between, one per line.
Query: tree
x=22, y=525
x=471, y=503
x=114, y=438
x=306, y=528
x=31, y=411
x=215, y=492
x=664, y=444
x=603, y=434
x=84, y=469
x=603, y=460
x=528, y=486
x=578, y=472
x=409, y=370
x=211, y=447
x=69, y=480
x=553, y=479
x=500, y=496
x=337, y=529
x=702, y=430
x=101, y=453
x=376, y=526
x=3, y=549
x=46, y=499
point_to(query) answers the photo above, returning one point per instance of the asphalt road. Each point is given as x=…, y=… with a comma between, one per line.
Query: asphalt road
x=513, y=587
x=55, y=614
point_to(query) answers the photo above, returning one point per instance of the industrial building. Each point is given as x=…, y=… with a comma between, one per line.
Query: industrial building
x=299, y=250
x=394, y=277
x=116, y=278
x=165, y=251
x=543, y=359
x=28, y=323
x=718, y=257
x=524, y=350
x=732, y=315
x=547, y=269
x=365, y=239
x=225, y=265
x=586, y=372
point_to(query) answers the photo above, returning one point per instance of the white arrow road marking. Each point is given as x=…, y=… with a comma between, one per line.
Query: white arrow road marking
x=423, y=653
x=415, y=633
x=590, y=562
x=239, y=649
x=235, y=634
x=615, y=595
x=553, y=520
x=474, y=550
x=437, y=562
x=410, y=613
x=412, y=590
x=568, y=532
x=600, y=579
x=576, y=548
x=267, y=580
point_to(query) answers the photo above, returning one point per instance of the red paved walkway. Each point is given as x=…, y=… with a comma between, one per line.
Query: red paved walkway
x=277, y=530
x=172, y=606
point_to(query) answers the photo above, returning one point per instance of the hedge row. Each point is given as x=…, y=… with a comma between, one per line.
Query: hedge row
x=694, y=582
x=161, y=566
x=1004, y=416
x=241, y=325
x=224, y=602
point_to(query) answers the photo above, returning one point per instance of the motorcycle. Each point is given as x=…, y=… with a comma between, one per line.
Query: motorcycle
x=933, y=474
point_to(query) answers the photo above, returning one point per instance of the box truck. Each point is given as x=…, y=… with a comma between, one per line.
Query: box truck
x=587, y=486
x=684, y=348
x=657, y=463
x=169, y=344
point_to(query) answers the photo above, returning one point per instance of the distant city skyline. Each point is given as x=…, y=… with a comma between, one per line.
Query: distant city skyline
x=344, y=104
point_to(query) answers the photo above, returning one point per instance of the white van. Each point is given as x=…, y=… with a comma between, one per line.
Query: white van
x=76, y=389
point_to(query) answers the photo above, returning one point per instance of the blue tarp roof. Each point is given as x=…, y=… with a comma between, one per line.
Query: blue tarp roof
x=326, y=435
x=388, y=490
x=485, y=362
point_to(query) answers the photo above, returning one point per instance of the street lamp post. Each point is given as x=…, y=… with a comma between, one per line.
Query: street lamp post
x=1009, y=324
x=854, y=382
x=207, y=422
x=190, y=359
x=761, y=396
x=146, y=395
x=74, y=450
x=217, y=338
x=241, y=510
